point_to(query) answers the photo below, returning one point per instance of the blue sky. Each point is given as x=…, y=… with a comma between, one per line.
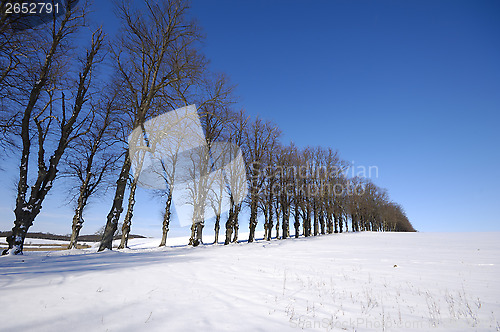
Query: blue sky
x=412, y=87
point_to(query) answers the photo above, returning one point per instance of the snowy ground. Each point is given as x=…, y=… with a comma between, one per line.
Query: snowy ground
x=43, y=244
x=353, y=282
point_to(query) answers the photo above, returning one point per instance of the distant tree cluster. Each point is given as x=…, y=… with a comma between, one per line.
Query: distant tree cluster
x=311, y=186
x=70, y=95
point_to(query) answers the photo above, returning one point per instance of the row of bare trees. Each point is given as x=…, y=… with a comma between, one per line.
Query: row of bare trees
x=71, y=95
x=306, y=191
x=292, y=191
x=46, y=86
x=311, y=185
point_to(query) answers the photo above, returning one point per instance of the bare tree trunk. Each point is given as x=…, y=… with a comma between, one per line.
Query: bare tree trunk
x=217, y=228
x=197, y=226
x=253, y=218
x=24, y=219
x=322, y=222
x=193, y=235
x=78, y=217
x=127, y=222
x=297, y=221
x=266, y=224
x=229, y=229
x=229, y=224
x=236, y=226
x=270, y=221
x=166, y=219
x=77, y=223
x=336, y=222
x=304, y=224
x=117, y=207
x=315, y=216
x=278, y=215
x=196, y=234
x=199, y=233
x=285, y=227
x=355, y=226
x=329, y=224
x=308, y=219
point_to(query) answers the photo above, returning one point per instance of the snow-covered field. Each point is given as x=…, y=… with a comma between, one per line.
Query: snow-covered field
x=43, y=244
x=353, y=282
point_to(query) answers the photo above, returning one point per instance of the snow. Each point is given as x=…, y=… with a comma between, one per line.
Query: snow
x=354, y=282
x=44, y=243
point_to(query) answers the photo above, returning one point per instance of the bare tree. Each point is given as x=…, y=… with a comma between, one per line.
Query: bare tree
x=14, y=50
x=92, y=159
x=270, y=189
x=215, y=99
x=200, y=182
x=286, y=187
x=156, y=49
x=217, y=199
x=294, y=181
x=127, y=221
x=169, y=166
x=237, y=190
x=45, y=117
x=229, y=181
x=259, y=138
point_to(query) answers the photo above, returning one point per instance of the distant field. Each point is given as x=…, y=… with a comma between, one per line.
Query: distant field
x=45, y=245
x=51, y=242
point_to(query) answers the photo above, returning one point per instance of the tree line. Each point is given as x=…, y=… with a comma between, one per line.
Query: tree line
x=71, y=95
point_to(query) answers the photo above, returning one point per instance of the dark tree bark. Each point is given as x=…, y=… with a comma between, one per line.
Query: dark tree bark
x=127, y=221
x=77, y=222
x=336, y=222
x=277, y=209
x=166, y=219
x=253, y=219
x=217, y=228
x=229, y=225
x=315, y=216
x=297, y=220
x=117, y=207
x=268, y=215
x=285, y=226
x=236, y=225
x=322, y=222
x=259, y=138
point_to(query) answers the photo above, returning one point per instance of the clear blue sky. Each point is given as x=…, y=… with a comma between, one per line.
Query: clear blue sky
x=412, y=87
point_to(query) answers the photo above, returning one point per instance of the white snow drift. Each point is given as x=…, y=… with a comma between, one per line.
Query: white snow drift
x=353, y=282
